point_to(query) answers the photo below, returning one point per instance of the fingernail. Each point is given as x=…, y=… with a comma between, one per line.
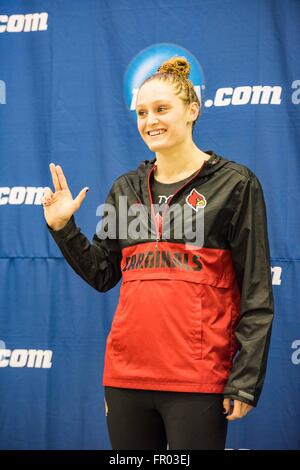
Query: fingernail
x=87, y=190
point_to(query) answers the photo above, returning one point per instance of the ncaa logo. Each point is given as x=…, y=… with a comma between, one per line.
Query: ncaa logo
x=146, y=63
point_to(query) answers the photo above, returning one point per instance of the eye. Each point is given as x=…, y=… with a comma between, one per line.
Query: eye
x=141, y=113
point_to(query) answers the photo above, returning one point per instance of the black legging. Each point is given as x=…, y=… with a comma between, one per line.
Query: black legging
x=151, y=419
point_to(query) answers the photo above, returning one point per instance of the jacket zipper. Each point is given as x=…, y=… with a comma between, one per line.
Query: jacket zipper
x=158, y=229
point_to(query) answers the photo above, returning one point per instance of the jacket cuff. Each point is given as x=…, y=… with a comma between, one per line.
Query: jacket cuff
x=241, y=396
x=66, y=232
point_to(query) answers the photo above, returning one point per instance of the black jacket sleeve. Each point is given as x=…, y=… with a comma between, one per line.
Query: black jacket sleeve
x=98, y=263
x=249, y=244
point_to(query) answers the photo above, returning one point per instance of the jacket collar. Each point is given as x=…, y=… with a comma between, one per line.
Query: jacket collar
x=214, y=163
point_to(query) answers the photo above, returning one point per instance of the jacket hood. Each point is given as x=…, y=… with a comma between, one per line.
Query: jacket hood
x=214, y=163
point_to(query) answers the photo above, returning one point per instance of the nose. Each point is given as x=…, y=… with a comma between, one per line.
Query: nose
x=152, y=120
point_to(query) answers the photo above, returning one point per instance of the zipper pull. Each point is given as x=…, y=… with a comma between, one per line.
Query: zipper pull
x=158, y=228
x=156, y=246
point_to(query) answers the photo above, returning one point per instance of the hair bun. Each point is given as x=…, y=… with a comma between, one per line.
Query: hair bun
x=177, y=65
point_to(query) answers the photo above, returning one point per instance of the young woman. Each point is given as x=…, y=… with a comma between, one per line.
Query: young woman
x=189, y=341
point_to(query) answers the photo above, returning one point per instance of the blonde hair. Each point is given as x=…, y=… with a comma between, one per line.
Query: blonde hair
x=175, y=71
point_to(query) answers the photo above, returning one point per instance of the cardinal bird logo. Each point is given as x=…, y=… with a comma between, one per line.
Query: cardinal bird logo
x=196, y=200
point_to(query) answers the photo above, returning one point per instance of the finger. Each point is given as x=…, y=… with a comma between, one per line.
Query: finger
x=47, y=193
x=47, y=196
x=245, y=409
x=81, y=196
x=226, y=405
x=236, y=412
x=55, y=179
x=61, y=177
x=232, y=417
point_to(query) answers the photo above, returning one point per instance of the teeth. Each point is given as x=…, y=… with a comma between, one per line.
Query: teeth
x=160, y=131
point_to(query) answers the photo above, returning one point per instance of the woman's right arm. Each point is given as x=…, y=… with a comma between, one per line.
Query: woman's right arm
x=98, y=263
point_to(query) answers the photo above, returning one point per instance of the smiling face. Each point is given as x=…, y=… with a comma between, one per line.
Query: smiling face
x=158, y=108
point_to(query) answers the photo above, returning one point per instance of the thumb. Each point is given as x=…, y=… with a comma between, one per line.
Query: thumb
x=226, y=405
x=81, y=196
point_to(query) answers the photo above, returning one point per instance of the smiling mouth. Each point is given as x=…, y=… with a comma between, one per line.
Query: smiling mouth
x=156, y=133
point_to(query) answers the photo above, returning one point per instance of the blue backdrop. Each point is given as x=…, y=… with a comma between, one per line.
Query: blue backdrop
x=66, y=71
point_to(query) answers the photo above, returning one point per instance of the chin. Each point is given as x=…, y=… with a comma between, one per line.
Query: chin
x=156, y=146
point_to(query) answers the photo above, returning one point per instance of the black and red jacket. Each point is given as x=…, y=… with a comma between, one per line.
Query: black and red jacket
x=188, y=319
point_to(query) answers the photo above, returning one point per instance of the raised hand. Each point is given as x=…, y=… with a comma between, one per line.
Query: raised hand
x=59, y=206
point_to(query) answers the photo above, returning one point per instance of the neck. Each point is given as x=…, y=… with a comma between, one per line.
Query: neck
x=183, y=160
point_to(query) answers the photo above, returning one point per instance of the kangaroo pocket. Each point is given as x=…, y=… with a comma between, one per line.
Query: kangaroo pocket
x=163, y=321
x=157, y=321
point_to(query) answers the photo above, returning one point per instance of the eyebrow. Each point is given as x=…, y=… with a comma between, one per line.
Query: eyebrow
x=156, y=101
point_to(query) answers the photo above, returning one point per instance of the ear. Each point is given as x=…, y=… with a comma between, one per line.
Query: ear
x=193, y=111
